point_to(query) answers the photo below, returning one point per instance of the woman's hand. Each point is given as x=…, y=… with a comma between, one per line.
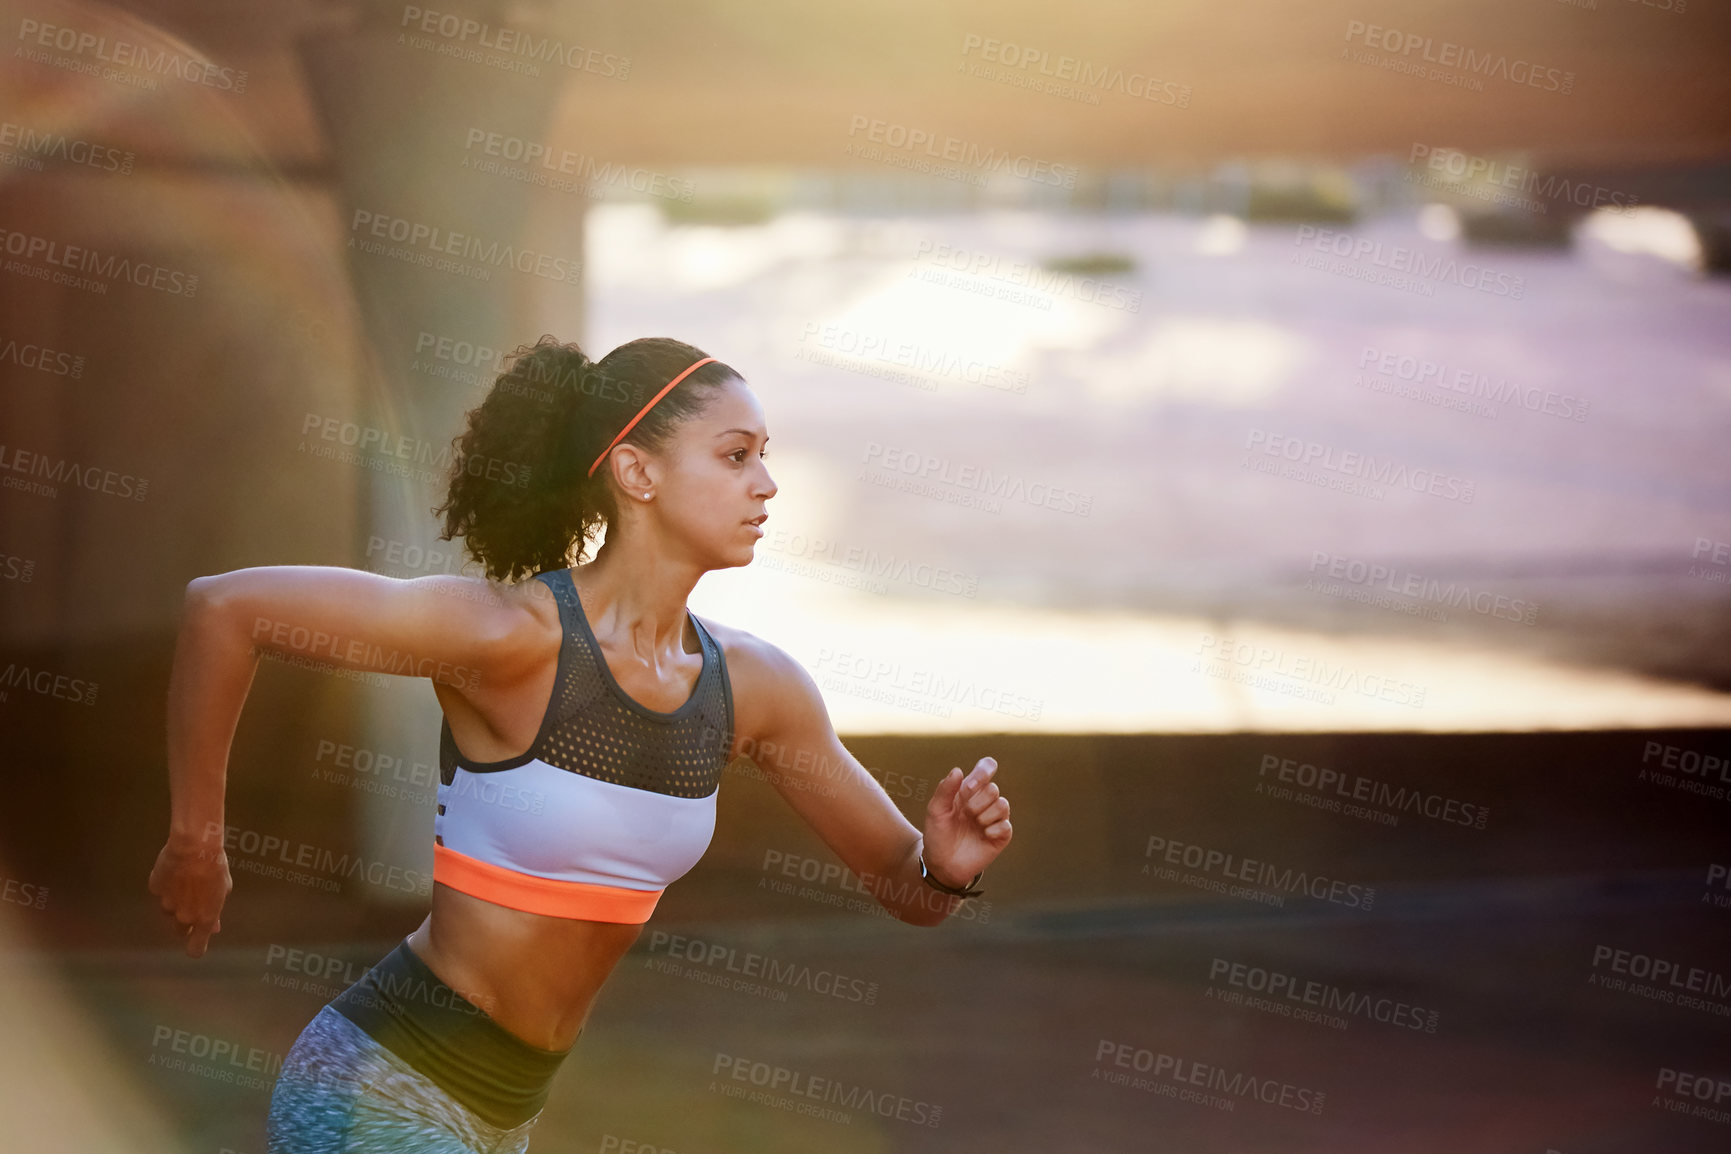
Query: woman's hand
x=192, y=882
x=967, y=824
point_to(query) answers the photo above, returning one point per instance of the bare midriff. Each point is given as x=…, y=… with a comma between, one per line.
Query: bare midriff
x=535, y=975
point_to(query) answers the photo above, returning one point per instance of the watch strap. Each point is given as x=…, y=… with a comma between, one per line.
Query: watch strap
x=967, y=891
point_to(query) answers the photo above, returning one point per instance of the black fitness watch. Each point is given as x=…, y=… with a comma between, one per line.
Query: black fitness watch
x=967, y=891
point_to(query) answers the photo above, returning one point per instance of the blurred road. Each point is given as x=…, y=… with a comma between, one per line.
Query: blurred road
x=965, y=460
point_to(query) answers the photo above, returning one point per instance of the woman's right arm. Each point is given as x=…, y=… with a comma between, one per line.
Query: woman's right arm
x=451, y=629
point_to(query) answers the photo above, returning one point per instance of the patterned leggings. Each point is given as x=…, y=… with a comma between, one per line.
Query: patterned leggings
x=341, y=1091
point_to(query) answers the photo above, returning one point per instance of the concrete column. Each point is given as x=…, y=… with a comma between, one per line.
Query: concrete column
x=400, y=106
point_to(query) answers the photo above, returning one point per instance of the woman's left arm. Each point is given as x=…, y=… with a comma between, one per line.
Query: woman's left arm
x=783, y=726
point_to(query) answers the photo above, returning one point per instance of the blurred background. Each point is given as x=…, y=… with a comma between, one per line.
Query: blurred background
x=1293, y=433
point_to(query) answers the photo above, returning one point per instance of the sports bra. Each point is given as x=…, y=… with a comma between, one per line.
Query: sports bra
x=610, y=803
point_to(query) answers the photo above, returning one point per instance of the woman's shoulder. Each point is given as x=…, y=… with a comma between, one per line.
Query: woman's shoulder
x=516, y=623
x=751, y=660
x=769, y=685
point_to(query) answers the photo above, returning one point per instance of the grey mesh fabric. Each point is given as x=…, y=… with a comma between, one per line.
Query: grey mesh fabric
x=593, y=728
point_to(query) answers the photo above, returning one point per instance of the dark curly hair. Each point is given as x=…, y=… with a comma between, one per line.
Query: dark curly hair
x=519, y=495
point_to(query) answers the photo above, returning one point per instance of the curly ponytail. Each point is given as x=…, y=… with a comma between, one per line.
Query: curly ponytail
x=518, y=492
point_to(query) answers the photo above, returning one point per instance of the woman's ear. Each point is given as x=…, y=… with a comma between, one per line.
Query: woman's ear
x=635, y=469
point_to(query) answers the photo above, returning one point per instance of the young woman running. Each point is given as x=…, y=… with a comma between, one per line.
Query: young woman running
x=587, y=718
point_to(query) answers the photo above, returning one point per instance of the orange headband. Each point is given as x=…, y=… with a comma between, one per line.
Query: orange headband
x=633, y=422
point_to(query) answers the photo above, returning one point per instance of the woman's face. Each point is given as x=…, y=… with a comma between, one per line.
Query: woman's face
x=710, y=479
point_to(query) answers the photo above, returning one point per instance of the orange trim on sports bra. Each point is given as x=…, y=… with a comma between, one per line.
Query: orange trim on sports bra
x=539, y=895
